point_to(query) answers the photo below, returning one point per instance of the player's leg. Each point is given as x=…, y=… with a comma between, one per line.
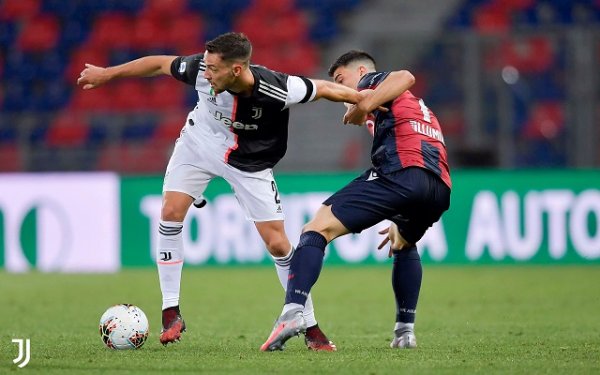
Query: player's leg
x=185, y=178
x=351, y=209
x=258, y=195
x=170, y=261
x=305, y=268
x=407, y=275
x=419, y=208
x=276, y=241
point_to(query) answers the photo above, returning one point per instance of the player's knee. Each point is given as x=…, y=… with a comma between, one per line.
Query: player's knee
x=170, y=212
x=313, y=227
x=278, y=247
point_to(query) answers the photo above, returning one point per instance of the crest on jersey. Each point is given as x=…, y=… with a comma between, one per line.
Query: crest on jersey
x=256, y=112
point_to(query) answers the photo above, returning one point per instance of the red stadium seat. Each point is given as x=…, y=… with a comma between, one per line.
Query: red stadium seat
x=512, y=5
x=169, y=9
x=67, y=129
x=85, y=55
x=149, y=32
x=98, y=99
x=169, y=129
x=273, y=27
x=39, y=34
x=352, y=154
x=546, y=121
x=527, y=54
x=132, y=158
x=10, y=158
x=491, y=18
x=451, y=118
x=186, y=34
x=130, y=95
x=165, y=93
x=111, y=31
x=18, y=9
x=273, y=6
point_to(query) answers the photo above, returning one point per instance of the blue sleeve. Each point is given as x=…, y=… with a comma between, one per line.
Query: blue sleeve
x=372, y=80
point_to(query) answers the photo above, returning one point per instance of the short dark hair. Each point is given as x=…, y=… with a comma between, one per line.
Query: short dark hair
x=231, y=46
x=348, y=58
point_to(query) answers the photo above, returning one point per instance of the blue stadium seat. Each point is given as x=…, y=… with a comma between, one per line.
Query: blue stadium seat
x=140, y=128
x=15, y=96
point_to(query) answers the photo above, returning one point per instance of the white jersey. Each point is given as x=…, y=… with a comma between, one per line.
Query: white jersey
x=250, y=132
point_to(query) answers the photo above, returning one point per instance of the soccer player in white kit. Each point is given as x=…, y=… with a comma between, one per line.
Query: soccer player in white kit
x=238, y=131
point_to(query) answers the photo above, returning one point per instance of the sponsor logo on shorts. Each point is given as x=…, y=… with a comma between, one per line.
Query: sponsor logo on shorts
x=372, y=176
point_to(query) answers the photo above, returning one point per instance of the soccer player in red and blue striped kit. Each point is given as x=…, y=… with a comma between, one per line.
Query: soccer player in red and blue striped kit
x=408, y=184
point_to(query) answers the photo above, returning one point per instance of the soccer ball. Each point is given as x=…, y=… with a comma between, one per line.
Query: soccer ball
x=124, y=327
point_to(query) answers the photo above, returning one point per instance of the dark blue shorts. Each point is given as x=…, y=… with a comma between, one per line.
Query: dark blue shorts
x=413, y=198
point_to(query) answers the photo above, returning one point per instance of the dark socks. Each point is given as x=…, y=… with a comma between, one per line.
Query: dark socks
x=305, y=267
x=406, y=281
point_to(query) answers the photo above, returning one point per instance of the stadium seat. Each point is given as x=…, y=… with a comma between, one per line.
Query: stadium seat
x=18, y=9
x=95, y=100
x=528, y=55
x=352, y=154
x=67, y=130
x=137, y=129
x=168, y=129
x=129, y=95
x=131, y=158
x=270, y=23
x=39, y=34
x=186, y=35
x=10, y=158
x=546, y=121
x=149, y=32
x=111, y=30
x=491, y=18
x=80, y=57
x=8, y=33
x=164, y=9
x=16, y=97
x=165, y=93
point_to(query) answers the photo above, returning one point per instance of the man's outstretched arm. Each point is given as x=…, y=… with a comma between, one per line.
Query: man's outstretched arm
x=392, y=86
x=335, y=92
x=93, y=76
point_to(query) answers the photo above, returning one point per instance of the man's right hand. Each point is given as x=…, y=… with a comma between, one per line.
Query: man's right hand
x=92, y=76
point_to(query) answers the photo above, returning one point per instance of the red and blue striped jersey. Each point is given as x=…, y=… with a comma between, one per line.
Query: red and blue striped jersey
x=409, y=135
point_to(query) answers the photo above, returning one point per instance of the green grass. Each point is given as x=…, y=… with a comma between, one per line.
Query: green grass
x=470, y=320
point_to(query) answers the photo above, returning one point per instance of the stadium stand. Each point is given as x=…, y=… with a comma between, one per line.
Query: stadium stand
x=44, y=44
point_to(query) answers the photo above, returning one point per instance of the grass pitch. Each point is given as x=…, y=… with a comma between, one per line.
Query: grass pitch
x=470, y=320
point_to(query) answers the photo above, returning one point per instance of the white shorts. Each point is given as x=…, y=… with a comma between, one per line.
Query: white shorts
x=192, y=166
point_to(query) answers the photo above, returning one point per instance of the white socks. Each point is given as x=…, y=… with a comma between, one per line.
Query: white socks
x=169, y=259
x=282, y=266
x=400, y=328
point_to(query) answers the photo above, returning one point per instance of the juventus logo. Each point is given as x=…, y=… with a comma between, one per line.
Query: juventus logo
x=166, y=256
x=24, y=352
x=256, y=112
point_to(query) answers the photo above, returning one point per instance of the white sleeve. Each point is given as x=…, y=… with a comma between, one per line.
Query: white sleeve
x=299, y=90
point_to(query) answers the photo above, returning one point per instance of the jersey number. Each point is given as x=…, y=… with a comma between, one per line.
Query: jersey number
x=425, y=110
x=274, y=187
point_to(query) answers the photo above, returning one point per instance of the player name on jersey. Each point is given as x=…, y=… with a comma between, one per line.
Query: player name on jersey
x=427, y=130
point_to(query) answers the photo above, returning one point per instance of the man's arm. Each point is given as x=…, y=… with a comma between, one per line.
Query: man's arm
x=93, y=76
x=392, y=86
x=335, y=92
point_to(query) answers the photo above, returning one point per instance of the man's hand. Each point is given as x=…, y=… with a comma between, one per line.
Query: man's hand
x=398, y=242
x=385, y=241
x=92, y=76
x=357, y=113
